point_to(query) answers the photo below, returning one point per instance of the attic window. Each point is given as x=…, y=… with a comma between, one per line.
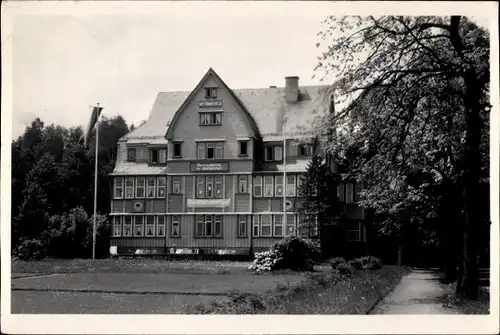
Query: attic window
x=210, y=92
x=305, y=150
x=131, y=154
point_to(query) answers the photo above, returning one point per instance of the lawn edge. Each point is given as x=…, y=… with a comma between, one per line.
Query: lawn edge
x=382, y=297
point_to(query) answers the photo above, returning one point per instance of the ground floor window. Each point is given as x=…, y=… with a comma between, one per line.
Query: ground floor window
x=242, y=226
x=208, y=226
x=308, y=225
x=353, y=230
x=139, y=225
x=175, y=229
x=272, y=225
x=117, y=226
x=160, y=225
x=127, y=225
x=150, y=225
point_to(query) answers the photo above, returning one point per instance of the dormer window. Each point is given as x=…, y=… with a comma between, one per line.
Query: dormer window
x=273, y=153
x=305, y=150
x=158, y=156
x=210, y=92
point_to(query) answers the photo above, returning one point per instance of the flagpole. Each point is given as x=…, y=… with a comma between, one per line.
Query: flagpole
x=95, y=183
x=284, y=168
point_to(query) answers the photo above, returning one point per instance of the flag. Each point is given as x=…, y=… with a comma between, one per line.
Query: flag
x=96, y=111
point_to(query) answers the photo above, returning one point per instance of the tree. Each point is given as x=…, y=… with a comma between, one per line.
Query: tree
x=319, y=205
x=415, y=88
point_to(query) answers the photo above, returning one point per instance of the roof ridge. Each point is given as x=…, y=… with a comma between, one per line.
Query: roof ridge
x=251, y=89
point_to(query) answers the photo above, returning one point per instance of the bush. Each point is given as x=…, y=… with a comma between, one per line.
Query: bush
x=297, y=253
x=265, y=261
x=30, y=249
x=356, y=264
x=335, y=262
x=370, y=262
x=345, y=268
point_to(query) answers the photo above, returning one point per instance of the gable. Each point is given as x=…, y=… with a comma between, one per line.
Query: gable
x=236, y=121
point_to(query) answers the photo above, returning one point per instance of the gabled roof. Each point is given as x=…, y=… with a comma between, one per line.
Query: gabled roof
x=209, y=73
x=263, y=106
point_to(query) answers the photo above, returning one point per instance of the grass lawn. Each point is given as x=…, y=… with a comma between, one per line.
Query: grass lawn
x=479, y=306
x=321, y=293
x=146, y=265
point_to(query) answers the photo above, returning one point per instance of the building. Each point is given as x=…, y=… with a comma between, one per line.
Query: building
x=204, y=174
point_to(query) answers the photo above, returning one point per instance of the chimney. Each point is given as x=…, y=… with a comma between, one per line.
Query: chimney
x=291, y=89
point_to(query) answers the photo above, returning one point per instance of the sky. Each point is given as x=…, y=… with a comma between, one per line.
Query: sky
x=65, y=61
x=62, y=64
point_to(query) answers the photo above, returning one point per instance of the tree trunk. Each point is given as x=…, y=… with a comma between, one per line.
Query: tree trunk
x=468, y=286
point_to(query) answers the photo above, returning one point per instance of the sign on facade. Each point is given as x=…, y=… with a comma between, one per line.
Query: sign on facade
x=209, y=167
x=209, y=103
x=208, y=202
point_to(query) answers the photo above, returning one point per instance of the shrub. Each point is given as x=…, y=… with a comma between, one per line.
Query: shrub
x=297, y=253
x=336, y=261
x=356, y=264
x=370, y=262
x=30, y=249
x=345, y=268
x=265, y=261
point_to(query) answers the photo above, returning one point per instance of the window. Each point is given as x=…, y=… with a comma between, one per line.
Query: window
x=265, y=229
x=119, y=187
x=129, y=187
x=176, y=185
x=177, y=150
x=349, y=193
x=242, y=226
x=162, y=183
x=150, y=225
x=139, y=226
x=219, y=150
x=139, y=188
x=243, y=148
x=269, y=153
x=200, y=187
x=151, y=187
x=278, y=184
x=273, y=153
x=141, y=154
x=127, y=225
x=256, y=225
x=357, y=190
x=160, y=225
x=268, y=186
x=208, y=226
x=305, y=150
x=278, y=153
x=218, y=187
x=242, y=184
x=210, y=118
x=340, y=191
x=210, y=92
x=353, y=230
x=300, y=182
x=154, y=156
x=158, y=156
x=278, y=225
x=175, y=230
x=117, y=226
x=209, y=182
x=290, y=224
x=290, y=185
x=257, y=186
x=131, y=154
x=210, y=150
x=208, y=187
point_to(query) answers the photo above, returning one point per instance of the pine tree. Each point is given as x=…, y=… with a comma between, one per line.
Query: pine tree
x=319, y=203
